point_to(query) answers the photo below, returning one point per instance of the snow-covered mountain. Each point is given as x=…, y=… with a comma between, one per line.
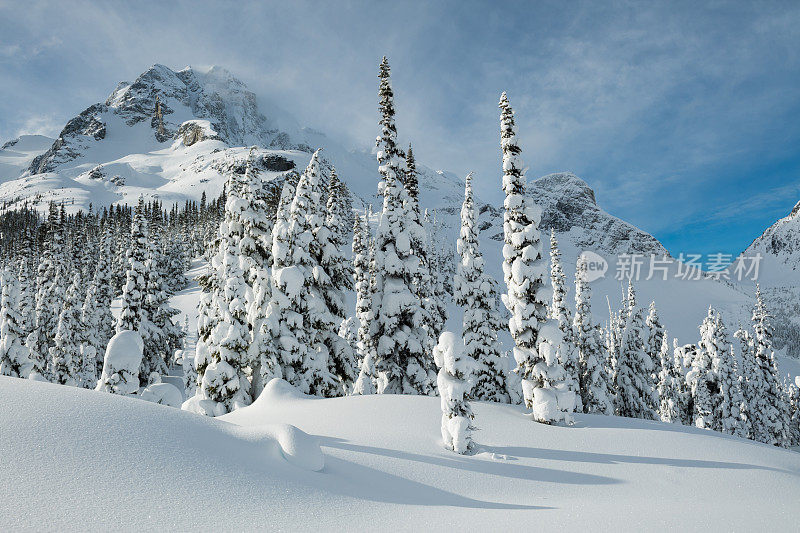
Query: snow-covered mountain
x=16, y=155
x=779, y=247
x=177, y=134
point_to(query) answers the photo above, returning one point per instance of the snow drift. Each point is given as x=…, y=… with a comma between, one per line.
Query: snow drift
x=90, y=460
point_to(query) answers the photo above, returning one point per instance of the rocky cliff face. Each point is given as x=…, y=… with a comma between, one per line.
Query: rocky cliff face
x=569, y=207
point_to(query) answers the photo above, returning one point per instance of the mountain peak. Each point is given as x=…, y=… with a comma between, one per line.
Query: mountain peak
x=568, y=186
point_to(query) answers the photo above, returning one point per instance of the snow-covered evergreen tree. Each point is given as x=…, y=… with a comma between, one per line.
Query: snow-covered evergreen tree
x=728, y=399
x=669, y=384
x=594, y=378
x=362, y=258
x=793, y=401
x=683, y=357
x=568, y=354
x=396, y=322
x=339, y=218
x=634, y=391
x=65, y=356
x=27, y=300
x=161, y=336
x=525, y=270
x=15, y=358
x=655, y=337
x=335, y=276
x=298, y=312
x=224, y=385
x=134, y=290
x=766, y=401
x=476, y=294
x=50, y=291
x=265, y=312
x=454, y=384
x=434, y=297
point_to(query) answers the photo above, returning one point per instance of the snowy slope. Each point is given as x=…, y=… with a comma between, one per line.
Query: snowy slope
x=779, y=247
x=74, y=459
x=16, y=155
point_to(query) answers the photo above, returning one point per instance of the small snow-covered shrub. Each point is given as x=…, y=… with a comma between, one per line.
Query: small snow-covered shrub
x=454, y=385
x=121, y=365
x=163, y=393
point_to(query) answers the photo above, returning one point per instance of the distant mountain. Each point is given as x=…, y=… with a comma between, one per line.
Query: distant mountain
x=779, y=247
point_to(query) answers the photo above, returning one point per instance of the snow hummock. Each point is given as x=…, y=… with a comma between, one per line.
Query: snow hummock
x=163, y=393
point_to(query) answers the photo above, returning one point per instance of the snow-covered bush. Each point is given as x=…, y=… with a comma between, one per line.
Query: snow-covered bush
x=14, y=356
x=454, y=384
x=163, y=393
x=121, y=365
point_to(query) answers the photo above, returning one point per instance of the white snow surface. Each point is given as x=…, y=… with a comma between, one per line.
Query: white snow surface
x=74, y=459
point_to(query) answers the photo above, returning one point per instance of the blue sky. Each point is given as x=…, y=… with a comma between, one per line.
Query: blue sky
x=684, y=119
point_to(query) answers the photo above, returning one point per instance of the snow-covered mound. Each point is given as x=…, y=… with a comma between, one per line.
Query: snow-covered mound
x=74, y=459
x=625, y=474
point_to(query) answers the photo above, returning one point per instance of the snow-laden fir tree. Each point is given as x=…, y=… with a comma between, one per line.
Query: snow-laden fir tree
x=86, y=374
x=98, y=321
x=134, y=290
x=594, y=378
x=669, y=385
x=161, y=336
x=50, y=291
x=727, y=398
x=568, y=354
x=298, y=314
x=335, y=276
x=454, y=386
x=15, y=358
x=339, y=211
x=435, y=298
x=536, y=337
x=266, y=319
x=766, y=400
x=362, y=259
x=700, y=378
x=410, y=177
x=27, y=300
x=402, y=364
x=224, y=386
x=793, y=401
x=683, y=357
x=65, y=356
x=426, y=280
x=476, y=295
x=256, y=252
x=632, y=373
x=207, y=318
x=655, y=337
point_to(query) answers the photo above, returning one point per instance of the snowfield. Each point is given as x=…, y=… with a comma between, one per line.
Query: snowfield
x=76, y=459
